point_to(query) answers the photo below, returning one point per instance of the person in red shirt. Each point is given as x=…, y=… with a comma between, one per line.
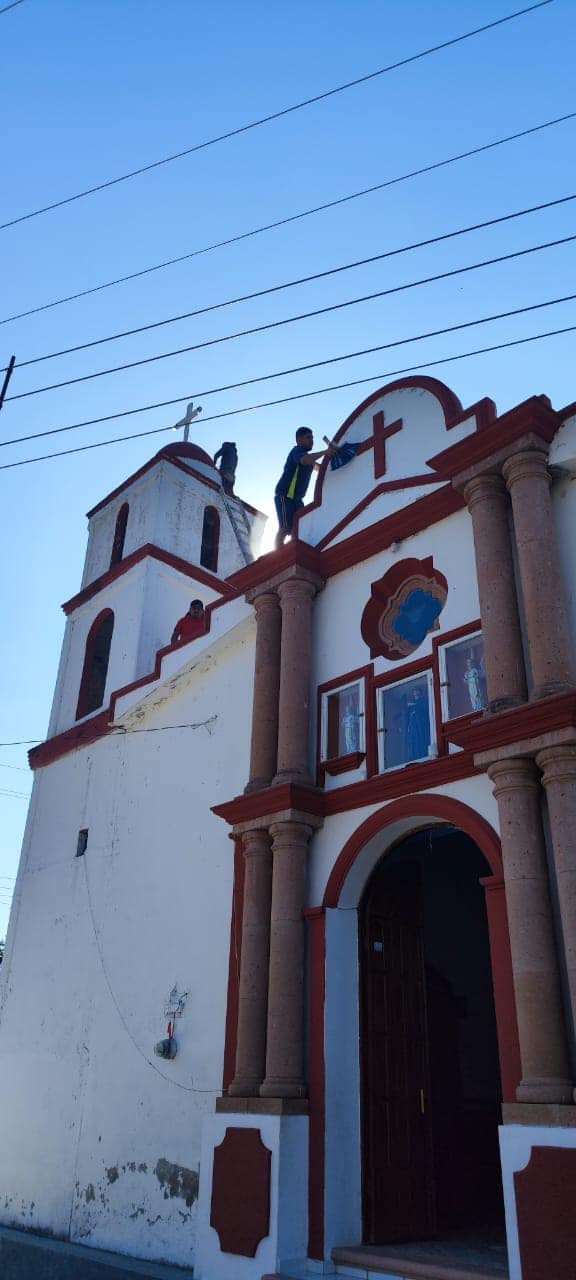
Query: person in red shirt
x=192, y=625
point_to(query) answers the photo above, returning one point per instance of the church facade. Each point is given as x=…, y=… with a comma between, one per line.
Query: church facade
x=290, y=978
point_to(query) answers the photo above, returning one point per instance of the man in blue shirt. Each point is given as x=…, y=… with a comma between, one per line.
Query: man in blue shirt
x=294, y=481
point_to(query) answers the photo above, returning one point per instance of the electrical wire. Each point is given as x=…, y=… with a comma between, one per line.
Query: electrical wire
x=10, y=6
x=377, y=377
x=277, y=115
x=291, y=284
x=200, y=724
x=306, y=315
x=295, y=217
x=278, y=373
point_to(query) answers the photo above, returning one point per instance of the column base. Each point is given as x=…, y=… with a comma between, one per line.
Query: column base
x=292, y=776
x=543, y=1090
x=496, y=705
x=272, y=1087
x=551, y=688
x=249, y=1087
x=257, y=784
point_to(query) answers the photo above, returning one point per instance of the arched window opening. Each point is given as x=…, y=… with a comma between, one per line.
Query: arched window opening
x=119, y=534
x=95, y=670
x=210, y=539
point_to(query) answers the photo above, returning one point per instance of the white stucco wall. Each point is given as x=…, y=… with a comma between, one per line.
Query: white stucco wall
x=166, y=508
x=104, y=1138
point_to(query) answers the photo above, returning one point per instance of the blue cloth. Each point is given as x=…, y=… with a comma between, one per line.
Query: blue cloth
x=295, y=479
x=346, y=452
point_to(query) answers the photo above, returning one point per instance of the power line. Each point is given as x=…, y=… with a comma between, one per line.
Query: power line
x=10, y=6
x=277, y=115
x=278, y=373
x=390, y=373
x=290, y=284
x=295, y=217
x=306, y=315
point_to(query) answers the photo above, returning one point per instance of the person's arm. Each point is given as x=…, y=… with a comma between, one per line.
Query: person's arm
x=217, y=455
x=175, y=634
x=309, y=459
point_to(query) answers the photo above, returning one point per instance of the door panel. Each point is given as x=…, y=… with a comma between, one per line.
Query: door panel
x=398, y=1189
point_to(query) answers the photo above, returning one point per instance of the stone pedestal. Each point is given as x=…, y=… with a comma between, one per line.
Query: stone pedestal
x=488, y=504
x=253, y=1195
x=253, y=993
x=285, y=1034
x=528, y=480
x=544, y=1061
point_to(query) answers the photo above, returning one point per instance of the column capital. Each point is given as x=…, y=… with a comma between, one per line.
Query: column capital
x=527, y=463
x=558, y=763
x=517, y=774
x=477, y=488
x=298, y=588
x=264, y=596
x=256, y=842
x=289, y=833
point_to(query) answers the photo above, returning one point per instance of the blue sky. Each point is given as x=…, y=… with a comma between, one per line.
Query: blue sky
x=91, y=90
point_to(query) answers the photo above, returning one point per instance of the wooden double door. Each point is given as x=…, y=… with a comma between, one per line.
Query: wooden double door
x=429, y=1116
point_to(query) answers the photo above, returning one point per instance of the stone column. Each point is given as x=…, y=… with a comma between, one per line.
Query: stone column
x=253, y=993
x=558, y=765
x=285, y=1035
x=488, y=504
x=264, y=741
x=296, y=596
x=527, y=477
x=545, y=1071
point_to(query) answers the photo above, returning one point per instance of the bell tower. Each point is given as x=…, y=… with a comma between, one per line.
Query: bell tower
x=167, y=534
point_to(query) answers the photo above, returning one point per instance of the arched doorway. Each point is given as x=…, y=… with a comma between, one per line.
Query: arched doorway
x=430, y=1078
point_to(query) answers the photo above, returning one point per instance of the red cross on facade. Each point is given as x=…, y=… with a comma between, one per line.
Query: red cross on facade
x=381, y=435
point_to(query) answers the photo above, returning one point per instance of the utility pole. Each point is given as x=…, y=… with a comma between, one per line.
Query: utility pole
x=7, y=379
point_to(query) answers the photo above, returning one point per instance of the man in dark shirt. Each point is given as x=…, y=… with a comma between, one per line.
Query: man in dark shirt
x=228, y=455
x=192, y=625
x=294, y=481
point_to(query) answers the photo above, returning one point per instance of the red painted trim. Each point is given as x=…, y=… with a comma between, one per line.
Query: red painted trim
x=316, y=1084
x=232, y=1002
x=257, y=804
x=81, y=708
x=473, y=825
x=349, y=677
x=404, y=672
x=484, y=412
x=488, y=731
x=152, y=552
x=382, y=593
x=64, y=742
x=422, y=514
x=268, y=567
x=405, y=781
x=343, y=764
x=389, y=486
x=80, y=735
x=439, y=641
x=532, y=416
x=381, y=435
